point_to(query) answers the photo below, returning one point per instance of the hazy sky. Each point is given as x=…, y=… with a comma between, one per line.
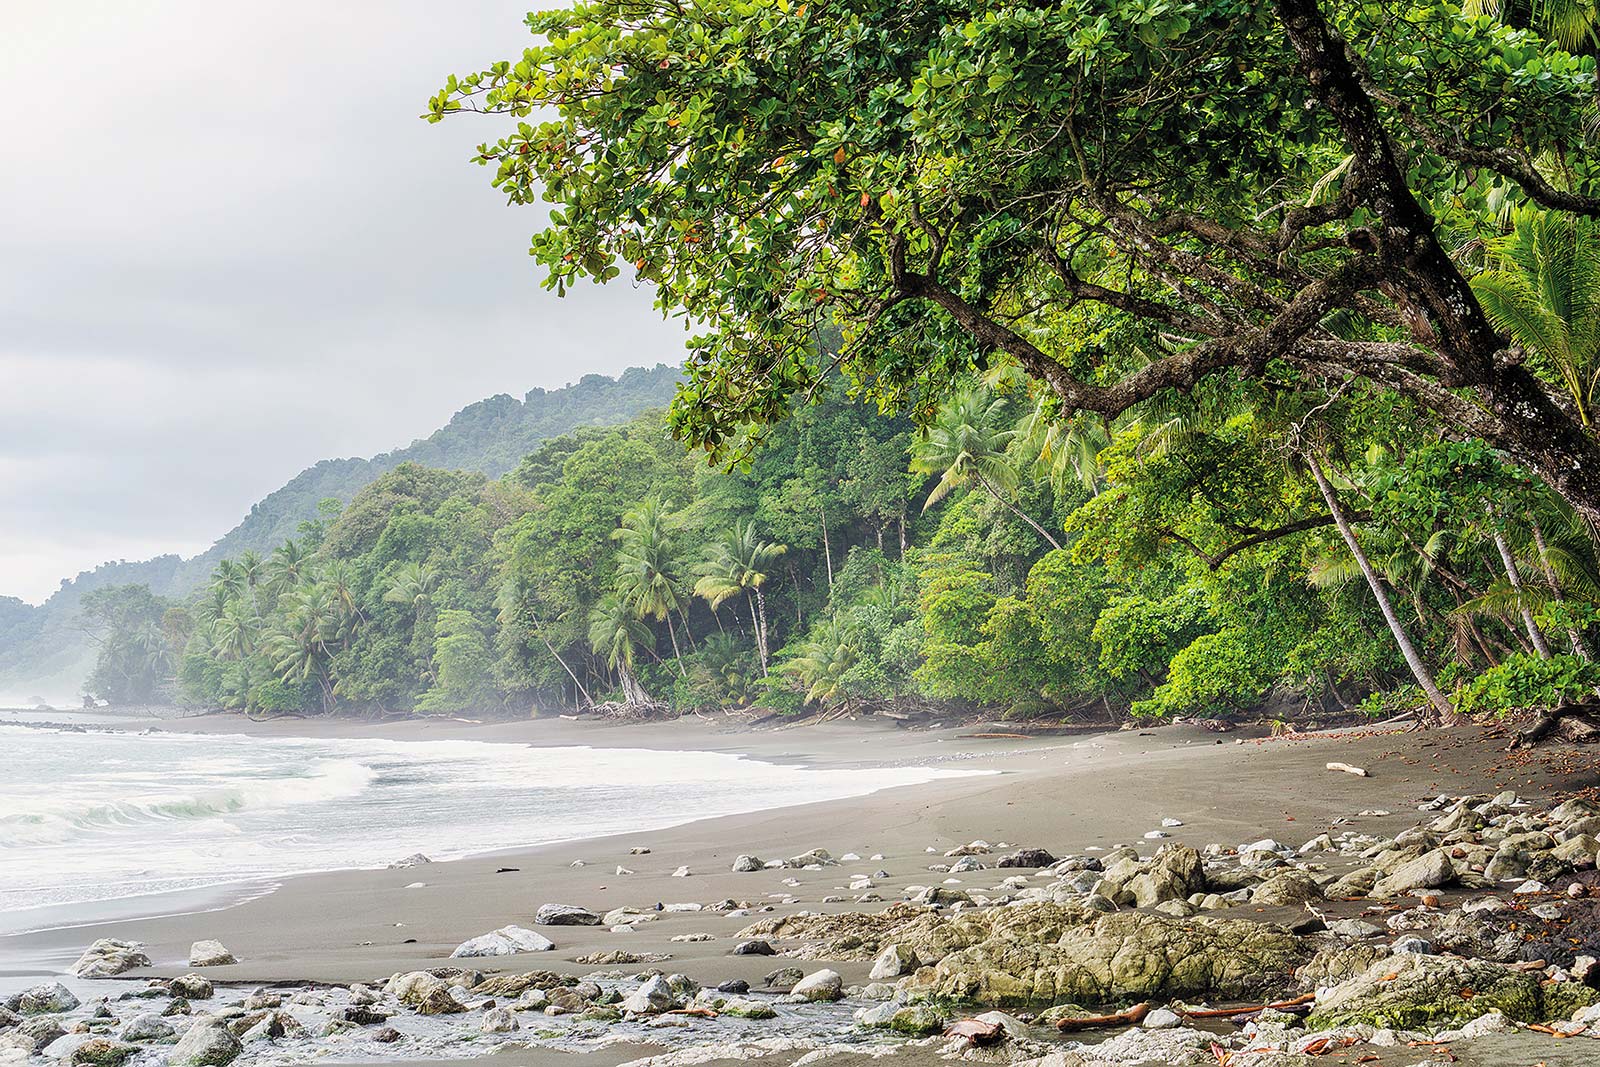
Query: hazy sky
x=229, y=248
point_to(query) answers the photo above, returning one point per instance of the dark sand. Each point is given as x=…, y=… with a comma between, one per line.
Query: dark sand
x=1060, y=793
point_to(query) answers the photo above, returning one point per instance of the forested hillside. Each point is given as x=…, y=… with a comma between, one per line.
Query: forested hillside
x=1180, y=561
x=43, y=650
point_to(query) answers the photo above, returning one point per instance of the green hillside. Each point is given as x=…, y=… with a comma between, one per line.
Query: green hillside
x=42, y=649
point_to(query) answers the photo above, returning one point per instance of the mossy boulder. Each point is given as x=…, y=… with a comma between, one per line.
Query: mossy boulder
x=1413, y=992
x=1029, y=960
x=103, y=1052
x=917, y=1020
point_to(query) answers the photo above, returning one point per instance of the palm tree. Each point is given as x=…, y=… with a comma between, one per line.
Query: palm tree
x=967, y=443
x=299, y=646
x=1063, y=450
x=287, y=568
x=1419, y=669
x=647, y=568
x=740, y=563
x=615, y=631
x=413, y=585
x=235, y=631
x=823, y=662
x=1544, y=292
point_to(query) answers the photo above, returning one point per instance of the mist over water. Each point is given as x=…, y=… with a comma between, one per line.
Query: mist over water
x=107, y=815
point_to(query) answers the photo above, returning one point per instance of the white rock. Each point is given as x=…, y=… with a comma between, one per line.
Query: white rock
x=209, y=954
x=681, y=872
x=1161, y=1019
x=504, y=942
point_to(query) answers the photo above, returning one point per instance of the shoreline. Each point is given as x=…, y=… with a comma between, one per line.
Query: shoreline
x=52, y=937
x=343, y=925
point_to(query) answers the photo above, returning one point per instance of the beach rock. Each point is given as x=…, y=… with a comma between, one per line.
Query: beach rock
x=754, y=947
x=8, y=1018
x=1028, y=955
x=1414, y=991
x=46, y=998
x=821, y=985
x=505, y=941
x=387, y=1036
x=746, y=864
x=565, y=915
x=511, y=985
x=746, y=1008
x=103, y=1052
x=917, y=1020
x=1281, y=890
x=1161, y=1019
x=892, y=962
x=566, y=1002
x=108, y=957
x=416, y=859
x=148, y=1026
x=1026, y=857
x=362, y=1015
x=270, y=1026
x=191, y=987
x=32, y=1035
x=499, y=1021
x=209, y=954
x=1427, y=871
x=651, y=998
x=427, y=993
x=783, y=979
x=208, y=1043
x=1174, y=873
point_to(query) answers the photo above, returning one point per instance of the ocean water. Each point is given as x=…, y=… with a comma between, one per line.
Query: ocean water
x=103, y=816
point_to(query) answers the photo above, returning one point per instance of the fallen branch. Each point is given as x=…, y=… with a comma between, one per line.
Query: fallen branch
x=1577, y=722
x=1131, y=1017
x=698, y=1013
x=1225, y=1013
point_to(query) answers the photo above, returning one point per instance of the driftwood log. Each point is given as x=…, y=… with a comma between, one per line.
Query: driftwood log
x=1130, y=1017
x=1577, y=722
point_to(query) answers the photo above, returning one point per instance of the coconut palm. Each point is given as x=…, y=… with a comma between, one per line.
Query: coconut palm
x=615, y=632
x=823, y=662
x=1544, y=292
x=235, y=631
x=413, y=585
x=740, y=563
x=1064, y=451
x=966, y=444
x=288, y=567
x=648, y=566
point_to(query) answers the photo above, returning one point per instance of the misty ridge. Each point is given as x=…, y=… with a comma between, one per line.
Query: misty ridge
x=43, y=649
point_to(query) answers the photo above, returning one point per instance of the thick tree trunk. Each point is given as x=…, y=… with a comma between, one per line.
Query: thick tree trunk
x=1419, y=669
x=1018, y=512
x=1513, y=576
x=1516, y=411
x=632, y=691
x=1579, y=647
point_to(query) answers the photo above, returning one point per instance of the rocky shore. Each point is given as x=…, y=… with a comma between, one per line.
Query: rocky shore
x=1472, y=934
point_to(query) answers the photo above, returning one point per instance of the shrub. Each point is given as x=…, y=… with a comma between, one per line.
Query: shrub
x=1523, y=682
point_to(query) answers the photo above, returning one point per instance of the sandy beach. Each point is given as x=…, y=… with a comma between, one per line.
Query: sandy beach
x=1060, y=793
x=1064, y=793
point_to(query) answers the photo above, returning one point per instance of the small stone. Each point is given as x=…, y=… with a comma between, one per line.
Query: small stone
x=108, y=957
x=103, y=1052
x=821, y=985
x=1531, y=887
x=500, y=1021
x=681, y=872
x=46, y=998
x=1161, y=1019
x=756, y=947
x=191, y=987
x=746, y=864
x=208, y=1043
x=565, y=915
x=210, y=954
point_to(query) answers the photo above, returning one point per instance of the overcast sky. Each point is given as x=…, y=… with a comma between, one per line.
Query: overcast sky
x=229, y=248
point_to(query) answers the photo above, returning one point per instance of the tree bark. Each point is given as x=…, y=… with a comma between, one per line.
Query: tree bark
x=1018, y=512
x=827, y=549
x=760, y=619
x=557, y=656
x=1419, y=669
x=1513, y=576
x=1579, y=647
